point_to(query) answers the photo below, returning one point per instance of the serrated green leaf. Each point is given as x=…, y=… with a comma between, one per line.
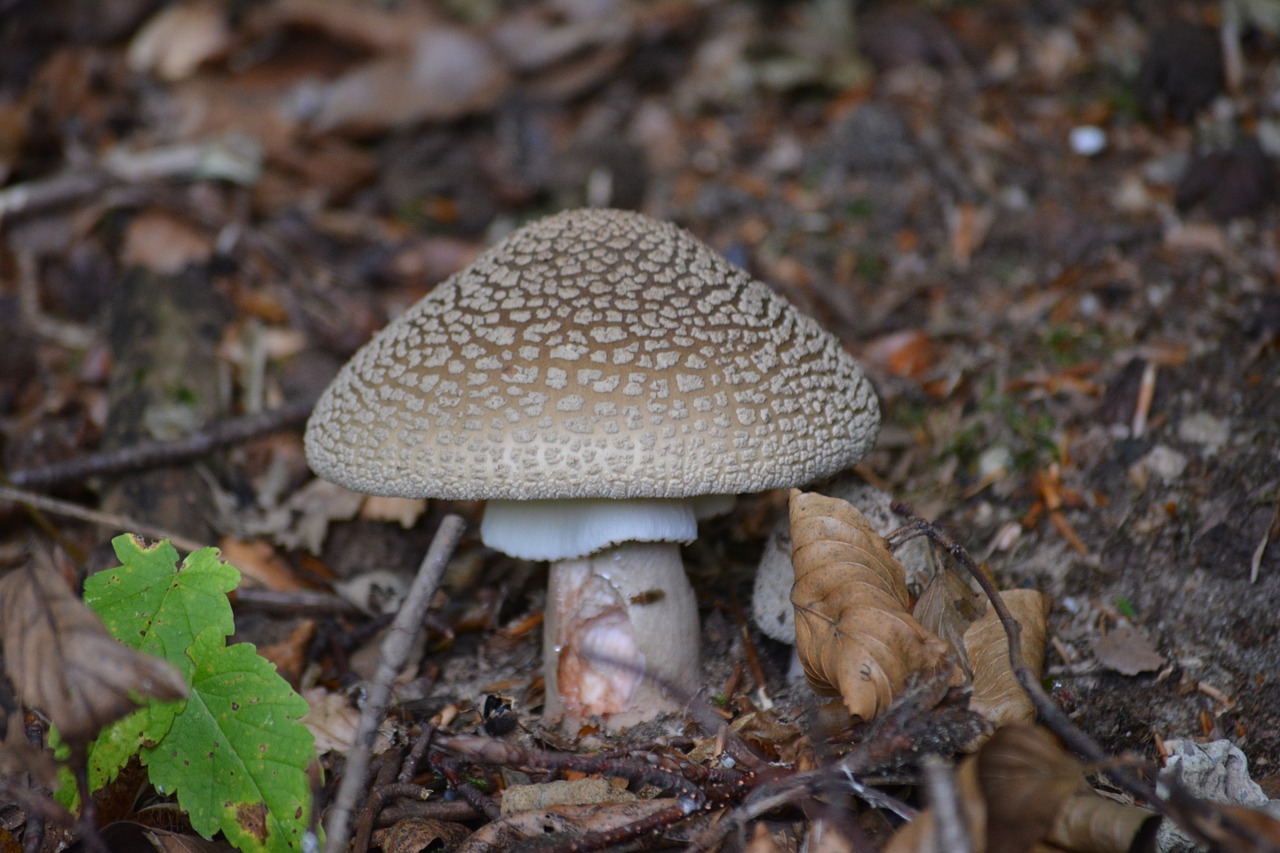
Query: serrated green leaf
x=155, y=605
x=117, y=743
x=237, y=756
x=233, y=752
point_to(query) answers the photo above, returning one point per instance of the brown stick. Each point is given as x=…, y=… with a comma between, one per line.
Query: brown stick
x=153, y=454
x=44, y=503
x=395, y=651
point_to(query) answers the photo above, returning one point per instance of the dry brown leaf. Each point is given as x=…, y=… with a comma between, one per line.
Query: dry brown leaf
x=1127, y=651
x=536, y=796
x=910, y=353
x=1090, y=821
x=164, y=243
x=1025, y=779
x=997, y=695
x=179, y=38
x=374, y=28
x=947, y=607
x=303, y=520
x=19, y=755
x=769, y=736
x=406, y=511
x=854, y=634
x=259, y=561
x=449, y=72
x=419, y=833
x=61, y=659
x=1009, y=793
x=762, y=841
x=333, y=720
x=290, y=653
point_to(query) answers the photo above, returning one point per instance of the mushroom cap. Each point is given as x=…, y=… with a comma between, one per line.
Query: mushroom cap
x=594, y=354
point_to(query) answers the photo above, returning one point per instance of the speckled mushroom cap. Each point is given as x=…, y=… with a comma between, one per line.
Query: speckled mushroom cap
x=594, y=354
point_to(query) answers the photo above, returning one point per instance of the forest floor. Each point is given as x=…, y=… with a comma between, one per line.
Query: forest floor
x=1047, y=230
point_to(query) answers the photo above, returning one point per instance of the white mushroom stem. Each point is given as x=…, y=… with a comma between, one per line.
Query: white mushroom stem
x=613, y=618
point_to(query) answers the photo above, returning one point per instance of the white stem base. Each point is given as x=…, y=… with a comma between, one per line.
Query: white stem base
x=630, y=604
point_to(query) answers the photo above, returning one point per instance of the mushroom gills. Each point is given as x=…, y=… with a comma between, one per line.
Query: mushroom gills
x=562, y=529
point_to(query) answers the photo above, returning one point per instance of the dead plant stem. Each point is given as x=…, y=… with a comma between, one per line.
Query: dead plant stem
x=45, y=503
x=152, y=454
x=395, y=651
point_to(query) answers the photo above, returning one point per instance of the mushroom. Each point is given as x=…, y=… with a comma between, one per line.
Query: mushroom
x=603, y=380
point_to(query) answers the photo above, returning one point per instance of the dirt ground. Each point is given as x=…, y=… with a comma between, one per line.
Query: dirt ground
x=1048, y=231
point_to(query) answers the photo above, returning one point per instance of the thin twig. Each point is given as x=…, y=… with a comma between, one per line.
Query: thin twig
x=152, y=454
x=753, y=659
x=454, y=811
x=45, y=503
x=409, y=768
x=651, y=825
x=949, y=826
x=395, y=651
x=638, y=769
x=35, y=196
x=1273, y=529
x=298, y=602
x=463, y=787
x=889, y=741
x=231, y=157
x=384, y=771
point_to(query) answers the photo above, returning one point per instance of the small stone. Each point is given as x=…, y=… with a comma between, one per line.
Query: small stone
x=1088, y=140
x=1162, y=462
x=994, y=462
x=1217, y=771
x=1205, y=430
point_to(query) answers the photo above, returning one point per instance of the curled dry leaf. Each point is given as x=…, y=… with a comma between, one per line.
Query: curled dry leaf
x=1022, y=790
x=997, y=695
x=61, y=659
x=449, y=72
x=769, y=736
x=947, y=607
x=854, y=634
x=1090, y=821
x=1025, y=778
x=587, y=791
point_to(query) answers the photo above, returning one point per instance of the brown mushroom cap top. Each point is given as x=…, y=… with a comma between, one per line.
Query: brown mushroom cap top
x=594, y=354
